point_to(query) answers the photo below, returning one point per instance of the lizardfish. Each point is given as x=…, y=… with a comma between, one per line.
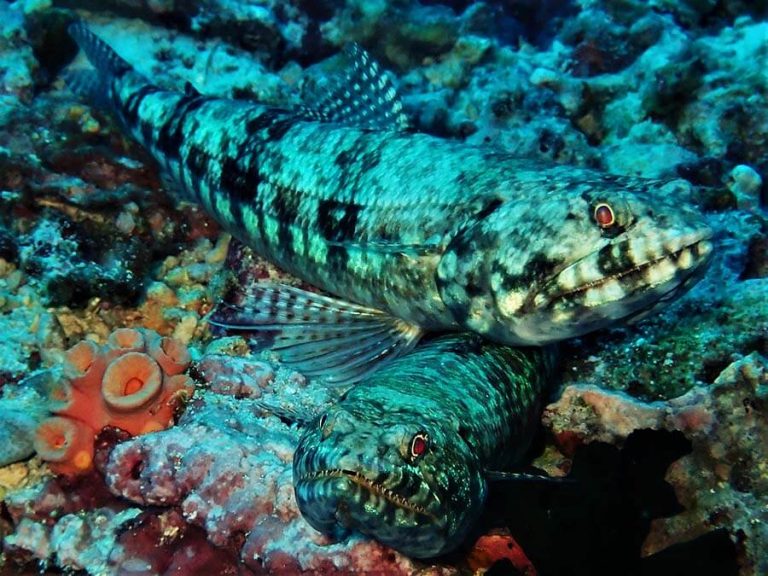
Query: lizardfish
x=406, y=232
x=406, y=454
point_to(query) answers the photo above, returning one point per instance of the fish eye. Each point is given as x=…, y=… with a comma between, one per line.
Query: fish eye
x=419, y=445
x=604, y=215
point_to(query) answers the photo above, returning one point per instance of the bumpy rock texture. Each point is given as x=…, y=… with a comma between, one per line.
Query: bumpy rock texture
x=90, y=241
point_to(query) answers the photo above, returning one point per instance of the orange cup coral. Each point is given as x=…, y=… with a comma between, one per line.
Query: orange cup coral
x=125, y=340
x=131, y=381
x=171, y=354
x=85, y=365
x=134, y=382
x=66, y=444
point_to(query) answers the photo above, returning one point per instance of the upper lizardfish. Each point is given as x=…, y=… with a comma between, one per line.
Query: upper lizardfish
x=406, y=454
x=409, y=232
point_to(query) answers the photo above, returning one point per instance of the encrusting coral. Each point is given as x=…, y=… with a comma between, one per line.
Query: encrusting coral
x=135, y=382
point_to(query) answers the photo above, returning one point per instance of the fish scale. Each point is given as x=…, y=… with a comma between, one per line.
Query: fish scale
x=430, y=234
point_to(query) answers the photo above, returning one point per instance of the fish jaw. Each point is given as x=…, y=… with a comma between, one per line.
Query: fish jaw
x=578, y=301
x=546, y=269
x=353, y=477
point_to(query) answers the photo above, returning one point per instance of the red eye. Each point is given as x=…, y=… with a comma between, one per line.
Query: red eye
x=604, y=216
x=419, y=444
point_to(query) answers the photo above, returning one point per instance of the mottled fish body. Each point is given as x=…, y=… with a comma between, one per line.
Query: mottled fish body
x=420, y=233
x=405, y=455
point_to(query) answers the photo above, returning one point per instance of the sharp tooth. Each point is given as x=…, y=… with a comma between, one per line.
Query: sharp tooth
x=703, y=248
x=567, y=279
x=660, y=272
x=685, y=260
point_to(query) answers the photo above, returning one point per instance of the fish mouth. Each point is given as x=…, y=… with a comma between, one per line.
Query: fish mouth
x=688, y=261
x=372, y=486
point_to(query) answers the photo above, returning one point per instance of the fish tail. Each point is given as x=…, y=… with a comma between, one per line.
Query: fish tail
x=90, y=85
x=103, y=58
x=95, y=85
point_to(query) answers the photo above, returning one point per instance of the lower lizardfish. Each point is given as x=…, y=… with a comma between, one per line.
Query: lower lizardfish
x=405, y=232
x=406, y=455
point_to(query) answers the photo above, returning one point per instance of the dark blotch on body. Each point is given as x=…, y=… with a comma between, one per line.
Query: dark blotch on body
x=239, y=178
x=197, y=162
x=278, y=129
x=170, y=137
x=343, y=159
x=538, y=268
x=132, y=103
x=285, y=207
x=337, y=220
x=611, y=265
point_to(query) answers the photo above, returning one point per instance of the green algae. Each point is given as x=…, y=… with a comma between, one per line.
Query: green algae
x=670, y=354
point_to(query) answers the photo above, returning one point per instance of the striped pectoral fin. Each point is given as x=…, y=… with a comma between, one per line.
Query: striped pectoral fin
x=319, y=335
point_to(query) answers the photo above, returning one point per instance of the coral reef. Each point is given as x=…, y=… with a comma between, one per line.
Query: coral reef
x=134, y=383
x=723, y=482
x=90, y=241
x=19, y=417
x=86, y=528
x=227, y=467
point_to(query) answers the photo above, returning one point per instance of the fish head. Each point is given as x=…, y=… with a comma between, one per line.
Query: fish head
x=398, y=477
x=550, y=267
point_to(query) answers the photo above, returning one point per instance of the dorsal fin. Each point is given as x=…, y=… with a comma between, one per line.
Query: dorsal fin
x=363, y=96
x=318, y=335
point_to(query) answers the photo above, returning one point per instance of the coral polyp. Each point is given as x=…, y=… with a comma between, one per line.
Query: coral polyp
x=130, y=382
x=119, y=384
x=66, y=444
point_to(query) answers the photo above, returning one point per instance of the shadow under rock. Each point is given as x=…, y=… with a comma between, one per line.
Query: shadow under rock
x=597, y=524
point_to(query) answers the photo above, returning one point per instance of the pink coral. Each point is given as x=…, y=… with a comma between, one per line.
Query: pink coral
x=134, y=382
x=227, y=467
x=723, y=483
x=587, y=413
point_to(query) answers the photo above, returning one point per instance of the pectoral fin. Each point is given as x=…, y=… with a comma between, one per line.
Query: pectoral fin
x=503, y=476
x=319, y=335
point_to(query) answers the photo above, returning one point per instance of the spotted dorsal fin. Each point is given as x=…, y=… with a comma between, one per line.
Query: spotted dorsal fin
x=363, y=96
x=318, y=335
